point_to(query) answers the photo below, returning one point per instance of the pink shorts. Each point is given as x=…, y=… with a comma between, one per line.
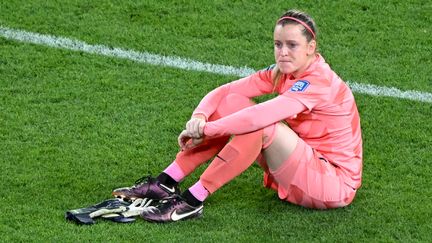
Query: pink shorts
x=309, y=180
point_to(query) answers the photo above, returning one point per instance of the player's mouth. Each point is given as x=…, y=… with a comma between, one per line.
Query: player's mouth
x=284, y=61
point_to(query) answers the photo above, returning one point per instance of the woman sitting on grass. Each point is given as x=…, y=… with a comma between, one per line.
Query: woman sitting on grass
x=307, y=139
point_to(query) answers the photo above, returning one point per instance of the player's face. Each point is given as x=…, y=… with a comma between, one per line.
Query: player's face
x=293, y=53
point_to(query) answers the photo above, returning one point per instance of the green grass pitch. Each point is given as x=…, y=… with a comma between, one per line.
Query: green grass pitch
x=74, y=125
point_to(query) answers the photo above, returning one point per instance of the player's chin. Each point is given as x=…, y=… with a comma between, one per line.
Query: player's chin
x=286, y=68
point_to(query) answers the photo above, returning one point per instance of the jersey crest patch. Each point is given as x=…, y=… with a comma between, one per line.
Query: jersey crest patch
x=300, y=86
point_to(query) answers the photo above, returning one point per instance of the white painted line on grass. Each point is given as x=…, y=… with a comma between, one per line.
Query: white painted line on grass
x=376, y=90
x=184, y=63
x=143, y=57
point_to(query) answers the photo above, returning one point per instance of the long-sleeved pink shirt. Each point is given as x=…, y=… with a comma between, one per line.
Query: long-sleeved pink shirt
x=318, y=106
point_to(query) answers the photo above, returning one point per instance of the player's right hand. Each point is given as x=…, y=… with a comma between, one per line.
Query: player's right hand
x=185, y=140
x=195, y=127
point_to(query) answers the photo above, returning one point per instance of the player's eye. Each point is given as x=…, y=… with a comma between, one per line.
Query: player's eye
x=292, y=45
x=278, y=45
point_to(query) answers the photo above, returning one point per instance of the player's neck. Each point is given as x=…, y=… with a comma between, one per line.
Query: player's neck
x=299, y=73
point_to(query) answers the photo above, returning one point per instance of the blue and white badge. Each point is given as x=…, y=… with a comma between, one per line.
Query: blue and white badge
x=300, y=86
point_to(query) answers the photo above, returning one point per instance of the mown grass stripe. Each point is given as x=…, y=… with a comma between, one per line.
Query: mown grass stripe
x=184, y=63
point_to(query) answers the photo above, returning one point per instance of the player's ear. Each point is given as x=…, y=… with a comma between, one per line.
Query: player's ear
x=311, y=47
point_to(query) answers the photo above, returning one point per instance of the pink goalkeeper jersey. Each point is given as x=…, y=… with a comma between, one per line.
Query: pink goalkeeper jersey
x=318, y=106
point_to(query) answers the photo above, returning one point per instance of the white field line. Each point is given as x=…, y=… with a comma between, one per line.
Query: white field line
x=184, y=63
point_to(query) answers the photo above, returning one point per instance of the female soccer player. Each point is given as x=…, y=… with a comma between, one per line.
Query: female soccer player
x=307, y=139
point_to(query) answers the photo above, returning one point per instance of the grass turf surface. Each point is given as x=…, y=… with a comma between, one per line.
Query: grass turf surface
x=73, y=125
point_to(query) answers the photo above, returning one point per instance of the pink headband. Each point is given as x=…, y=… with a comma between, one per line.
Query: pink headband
x=300, y=22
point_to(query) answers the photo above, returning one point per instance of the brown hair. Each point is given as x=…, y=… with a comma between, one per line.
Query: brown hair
x=310, y=32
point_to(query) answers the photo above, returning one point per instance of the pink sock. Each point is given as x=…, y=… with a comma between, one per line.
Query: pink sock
x=198, y=191
x=175, y=171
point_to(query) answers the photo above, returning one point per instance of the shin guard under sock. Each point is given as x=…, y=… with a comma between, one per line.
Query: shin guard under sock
x=189, y=160
x=232, y=160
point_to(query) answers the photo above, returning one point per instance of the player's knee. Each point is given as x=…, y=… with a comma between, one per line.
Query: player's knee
x=269, y=133
x=233, y=103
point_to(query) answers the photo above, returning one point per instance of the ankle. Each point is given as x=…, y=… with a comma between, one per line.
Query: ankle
x=166, y=180
x=191, y=199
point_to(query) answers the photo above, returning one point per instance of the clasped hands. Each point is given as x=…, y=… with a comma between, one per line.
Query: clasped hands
x=193, y=135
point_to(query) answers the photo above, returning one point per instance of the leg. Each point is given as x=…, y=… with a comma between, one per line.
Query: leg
x=282, y=145
x=240, y=153
x=186, y=161
x=235, y=157
x=189, y=160
x=303, y=175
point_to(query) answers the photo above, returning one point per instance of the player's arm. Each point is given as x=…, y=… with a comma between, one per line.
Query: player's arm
x=251, y=86
x=255, y=117
x=254, y=85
